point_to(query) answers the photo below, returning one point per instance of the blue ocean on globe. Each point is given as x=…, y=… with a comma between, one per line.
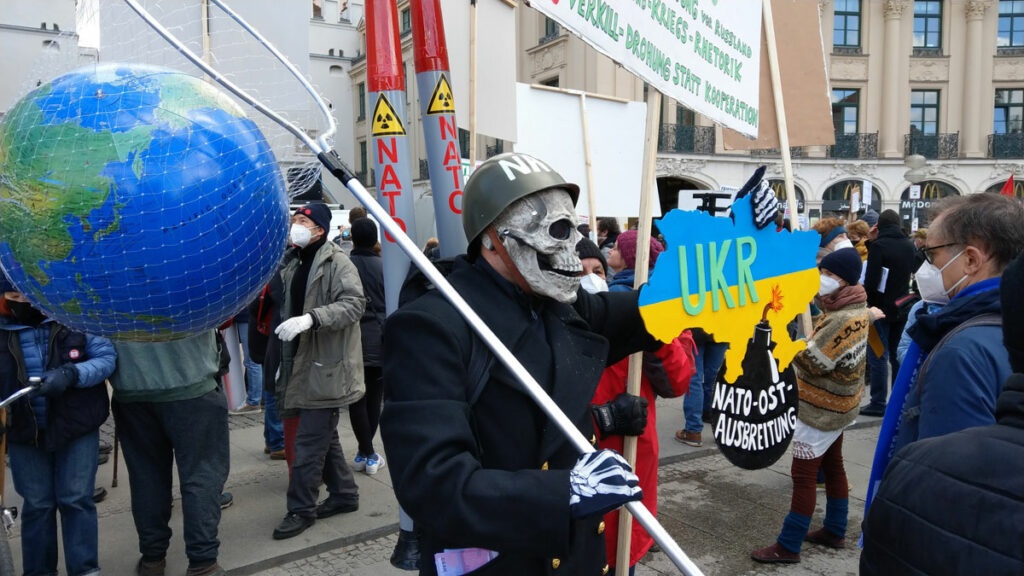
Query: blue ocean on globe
x=137, y=203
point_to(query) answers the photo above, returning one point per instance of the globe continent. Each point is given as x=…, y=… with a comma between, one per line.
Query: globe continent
x=137, y=203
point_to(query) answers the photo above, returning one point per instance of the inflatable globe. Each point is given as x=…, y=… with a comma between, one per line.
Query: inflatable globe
x=137, y=203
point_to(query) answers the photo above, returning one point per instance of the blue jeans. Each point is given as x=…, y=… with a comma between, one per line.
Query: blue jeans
x=706, y=364
x=253, y=370
x=194, y=434
x=878, y=368
x=273, y=428
x=52, y=481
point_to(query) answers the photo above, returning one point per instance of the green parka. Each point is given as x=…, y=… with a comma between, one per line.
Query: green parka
x=324, y=367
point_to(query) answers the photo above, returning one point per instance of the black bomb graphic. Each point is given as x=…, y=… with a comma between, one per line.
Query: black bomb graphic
x=753, y=418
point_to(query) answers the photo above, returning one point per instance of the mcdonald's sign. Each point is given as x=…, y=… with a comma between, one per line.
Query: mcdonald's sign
x=931, y=190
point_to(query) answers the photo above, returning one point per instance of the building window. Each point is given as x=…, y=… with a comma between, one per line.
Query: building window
x=464, y=142
x=362, y=101
x=406, y=20
x=1011, y=24
x=551, y=30
x=924, y=112
x=928, y=25
x=684, y=116
x=362, y=156
x=552, y=82
x=1009, y=112
x=318, y=12
x=846, y=23
x=845, y=105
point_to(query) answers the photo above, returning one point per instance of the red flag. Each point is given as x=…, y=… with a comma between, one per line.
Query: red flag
x=1007, y=189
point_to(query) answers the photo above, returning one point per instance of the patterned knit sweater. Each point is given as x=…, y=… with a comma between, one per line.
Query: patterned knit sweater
x=830, y=371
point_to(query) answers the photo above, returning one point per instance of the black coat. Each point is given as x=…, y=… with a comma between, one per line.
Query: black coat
x=896, y=252
x=371, y=325
x=954, y=504
x=495, y=474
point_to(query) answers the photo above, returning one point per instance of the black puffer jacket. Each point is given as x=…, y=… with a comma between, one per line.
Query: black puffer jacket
x=954, y=504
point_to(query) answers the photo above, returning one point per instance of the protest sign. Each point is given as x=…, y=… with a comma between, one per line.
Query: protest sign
x=616, y=167
x=804, y=84
x=732, y=280
x=705, y=55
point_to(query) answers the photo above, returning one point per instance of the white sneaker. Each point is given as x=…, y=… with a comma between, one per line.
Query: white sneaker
x=359, y=463
x=374, y=462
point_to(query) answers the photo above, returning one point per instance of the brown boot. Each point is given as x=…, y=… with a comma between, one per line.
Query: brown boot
x=825, y=538
x=775, y=554
x=689, y=438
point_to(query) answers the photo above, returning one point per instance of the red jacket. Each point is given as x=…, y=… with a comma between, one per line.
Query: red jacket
x=677, y=365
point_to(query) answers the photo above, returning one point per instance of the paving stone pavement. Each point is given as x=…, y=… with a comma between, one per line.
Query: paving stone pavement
x=716, y=512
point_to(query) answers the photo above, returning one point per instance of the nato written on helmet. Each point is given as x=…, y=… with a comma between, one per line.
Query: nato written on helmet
x=499, y=182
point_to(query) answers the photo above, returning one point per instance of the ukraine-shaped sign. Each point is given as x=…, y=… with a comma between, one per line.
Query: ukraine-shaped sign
x=734, y=281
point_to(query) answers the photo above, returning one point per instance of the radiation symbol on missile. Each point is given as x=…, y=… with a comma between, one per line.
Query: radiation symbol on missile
x=386, y=121
x=441, y=101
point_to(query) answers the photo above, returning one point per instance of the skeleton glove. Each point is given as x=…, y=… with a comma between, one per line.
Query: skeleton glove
x=600, y=482
x=625, y=415
x=765, y=204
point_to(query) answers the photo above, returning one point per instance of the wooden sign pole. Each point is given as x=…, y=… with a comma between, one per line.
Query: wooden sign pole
x=648, y=190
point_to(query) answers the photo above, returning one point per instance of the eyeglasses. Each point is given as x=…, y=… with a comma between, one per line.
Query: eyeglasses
x=926, y=251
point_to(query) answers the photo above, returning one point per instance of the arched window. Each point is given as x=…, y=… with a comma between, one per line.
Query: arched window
x=336, y=71
x=931, y=191
x=1018, y=187
x=836, y=199
x=779, y=187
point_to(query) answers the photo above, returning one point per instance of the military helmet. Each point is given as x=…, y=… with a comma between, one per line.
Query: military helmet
x=499, y=182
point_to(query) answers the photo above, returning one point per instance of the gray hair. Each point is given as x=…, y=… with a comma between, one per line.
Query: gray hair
x=991, y=222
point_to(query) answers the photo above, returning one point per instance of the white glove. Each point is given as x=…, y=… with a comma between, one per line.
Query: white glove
x=292, y=327
x=600, y=482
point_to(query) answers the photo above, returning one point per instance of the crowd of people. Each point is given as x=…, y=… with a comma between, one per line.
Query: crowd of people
x=927, y=326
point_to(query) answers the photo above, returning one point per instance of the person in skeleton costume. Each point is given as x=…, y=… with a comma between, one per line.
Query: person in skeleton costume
x=473, y=459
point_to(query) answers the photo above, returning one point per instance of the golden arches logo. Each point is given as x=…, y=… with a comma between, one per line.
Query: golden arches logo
x=931, y=191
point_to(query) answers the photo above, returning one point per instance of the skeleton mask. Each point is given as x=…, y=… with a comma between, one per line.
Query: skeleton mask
x=539, y=233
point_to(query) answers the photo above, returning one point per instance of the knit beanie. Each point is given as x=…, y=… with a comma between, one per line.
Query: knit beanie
x=844, y=263
x=1010, y=289
x=585, y=248
x=832, y=236
x=318, y=212
x=626, y=244
x=364, y=233
x=870, y=216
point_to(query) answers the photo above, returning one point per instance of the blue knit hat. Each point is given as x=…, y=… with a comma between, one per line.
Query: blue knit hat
x=831, y=236
x=845, y=263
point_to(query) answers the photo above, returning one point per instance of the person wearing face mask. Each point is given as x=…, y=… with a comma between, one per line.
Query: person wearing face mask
x=830, y=377
x=53, y=434
x=970, y=243
x=666, y=372
x=891, y=260
x=321, y=368
x=976, y=475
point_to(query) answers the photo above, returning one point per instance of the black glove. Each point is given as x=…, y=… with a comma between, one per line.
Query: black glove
x=56, y=381
x=600, y=482
x=765, y=204
x=625, y=415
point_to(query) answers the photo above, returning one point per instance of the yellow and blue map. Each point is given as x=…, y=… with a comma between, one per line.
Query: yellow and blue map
x=724, y=275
